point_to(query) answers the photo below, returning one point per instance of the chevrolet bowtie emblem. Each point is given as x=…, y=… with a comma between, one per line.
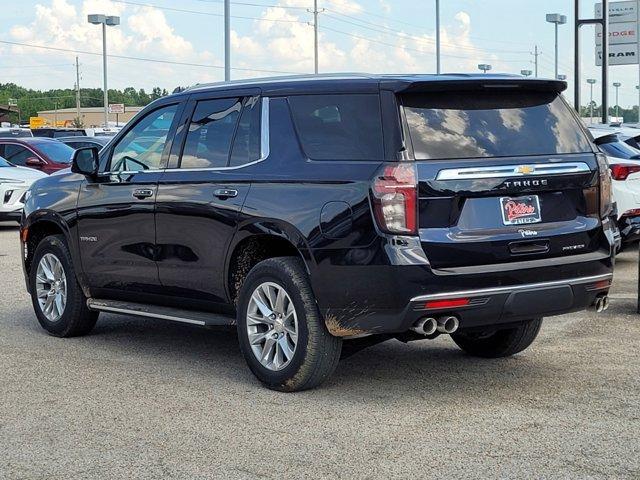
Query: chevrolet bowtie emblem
x=525, y=169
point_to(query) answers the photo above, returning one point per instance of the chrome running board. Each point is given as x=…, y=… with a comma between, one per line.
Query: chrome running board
x=162, y=313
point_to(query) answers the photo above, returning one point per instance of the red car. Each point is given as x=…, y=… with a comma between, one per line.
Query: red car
x=44, y=154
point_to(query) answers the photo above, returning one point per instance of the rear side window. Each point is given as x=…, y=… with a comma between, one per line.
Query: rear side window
x=246, y=144
x=210, y=133
x=339, y=127
x=474, y=124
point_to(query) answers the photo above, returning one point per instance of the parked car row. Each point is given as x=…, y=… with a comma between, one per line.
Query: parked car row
x=57, y=132
x=624, y=164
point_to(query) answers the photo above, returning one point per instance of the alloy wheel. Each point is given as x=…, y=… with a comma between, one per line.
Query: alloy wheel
x=272, y=326
x=51, y=287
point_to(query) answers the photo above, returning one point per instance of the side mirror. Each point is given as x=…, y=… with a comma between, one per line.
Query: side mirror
x=86, y=161
x=33, y=162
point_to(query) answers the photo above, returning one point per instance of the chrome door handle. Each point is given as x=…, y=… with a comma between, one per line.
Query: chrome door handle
x=223, y=193
x=141, y=193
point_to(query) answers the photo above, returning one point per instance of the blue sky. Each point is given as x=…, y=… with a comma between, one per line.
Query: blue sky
x=356, y=35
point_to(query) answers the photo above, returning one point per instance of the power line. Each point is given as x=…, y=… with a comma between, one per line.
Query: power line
x=209, y=14
x=390, y=31
x=373, y=40
x=37, y=66
x=144, y=59
x=420, y=27
x=262, y=5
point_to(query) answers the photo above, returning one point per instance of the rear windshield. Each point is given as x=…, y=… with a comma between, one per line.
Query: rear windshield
x=491, y=124
x=339, y=127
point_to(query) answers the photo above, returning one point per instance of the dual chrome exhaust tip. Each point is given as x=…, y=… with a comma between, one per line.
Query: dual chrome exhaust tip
x=600, y=304
x=430, y=325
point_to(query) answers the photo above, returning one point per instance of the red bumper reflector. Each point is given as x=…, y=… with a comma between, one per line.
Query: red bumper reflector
x=601, y=285
x=454, y=302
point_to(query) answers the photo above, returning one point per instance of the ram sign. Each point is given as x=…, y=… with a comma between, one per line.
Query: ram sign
x=623, y=30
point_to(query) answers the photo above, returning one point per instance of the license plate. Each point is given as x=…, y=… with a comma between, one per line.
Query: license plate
x=520, y=210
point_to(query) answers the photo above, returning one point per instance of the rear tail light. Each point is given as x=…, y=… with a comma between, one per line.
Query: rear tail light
x=622, y=171
x=395, y=199
x=606, y=204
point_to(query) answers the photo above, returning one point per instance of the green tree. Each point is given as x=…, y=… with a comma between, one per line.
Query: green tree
x=31, y=101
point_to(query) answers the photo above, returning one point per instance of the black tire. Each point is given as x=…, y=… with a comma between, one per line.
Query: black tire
x=499, y=343
x=317, y=353
x=76, y=318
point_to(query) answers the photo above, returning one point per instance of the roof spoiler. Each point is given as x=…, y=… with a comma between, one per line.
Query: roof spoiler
x=475, y=84
x=611, y=138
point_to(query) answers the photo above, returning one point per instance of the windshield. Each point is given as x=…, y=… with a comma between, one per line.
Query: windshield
x=619, y=149
x=4, y=163
x=473, y=124
x=56, y=151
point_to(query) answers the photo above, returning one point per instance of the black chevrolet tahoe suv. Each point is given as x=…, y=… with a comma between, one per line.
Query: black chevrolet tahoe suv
x=323, y=214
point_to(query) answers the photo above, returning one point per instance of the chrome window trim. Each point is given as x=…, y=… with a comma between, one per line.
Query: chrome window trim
x=265, y=139
x=511, y=288
x=507, y=171
x=265, y=150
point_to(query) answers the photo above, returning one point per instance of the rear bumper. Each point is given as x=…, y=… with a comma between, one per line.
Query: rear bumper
x=506, y=304
x=391, y=298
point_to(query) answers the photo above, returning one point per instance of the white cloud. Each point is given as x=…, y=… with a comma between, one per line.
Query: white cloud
x=281, y=42
x=145, y=33
x=287, y=46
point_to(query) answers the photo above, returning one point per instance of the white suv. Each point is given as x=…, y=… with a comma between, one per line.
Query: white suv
x=624, y=164
x=14, y=183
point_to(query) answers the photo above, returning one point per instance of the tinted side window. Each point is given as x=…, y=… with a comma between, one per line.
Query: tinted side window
x=17, y=155
x=339, y=127
x=246, y=145
x=141, y=148
x=210, y=133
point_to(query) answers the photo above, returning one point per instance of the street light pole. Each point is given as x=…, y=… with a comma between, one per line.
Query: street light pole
x=105, y=21
x=227, y=40
x=77, y=90
x=591, y=82
x=438, y=37
x=617, y=85
x=315, y=37
x=104, y=74
x=557, y=20
x=638, y=51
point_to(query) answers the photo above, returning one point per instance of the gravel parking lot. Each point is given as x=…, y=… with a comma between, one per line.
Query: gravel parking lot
x=147, y=399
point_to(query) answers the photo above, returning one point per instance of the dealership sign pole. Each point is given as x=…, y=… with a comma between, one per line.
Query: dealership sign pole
x=603, y=21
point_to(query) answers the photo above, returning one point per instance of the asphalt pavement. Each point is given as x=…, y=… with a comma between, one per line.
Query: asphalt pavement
x=150, y=399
